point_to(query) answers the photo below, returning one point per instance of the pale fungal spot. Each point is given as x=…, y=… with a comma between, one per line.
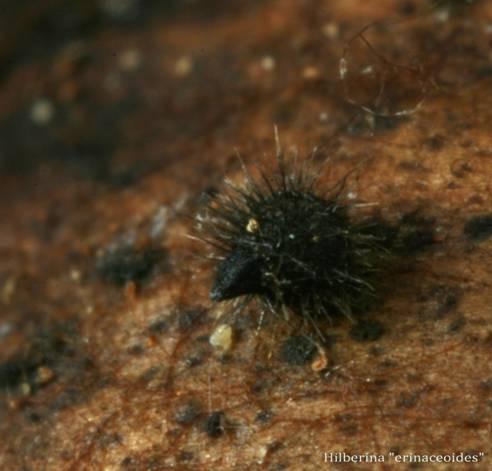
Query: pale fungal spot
x=221, y=338
x=252, y=226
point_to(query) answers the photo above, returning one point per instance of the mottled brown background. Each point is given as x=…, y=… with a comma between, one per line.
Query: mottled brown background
x=116, y=116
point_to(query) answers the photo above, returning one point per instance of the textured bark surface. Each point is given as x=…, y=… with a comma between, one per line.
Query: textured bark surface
x=114, y=124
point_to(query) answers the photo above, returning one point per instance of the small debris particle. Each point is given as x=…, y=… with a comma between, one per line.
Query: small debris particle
x=221, y=338
x=215, y=424
x=252, y=226
x=298, y=350
x=367, y=331
x=479, y=228
x=262, y=452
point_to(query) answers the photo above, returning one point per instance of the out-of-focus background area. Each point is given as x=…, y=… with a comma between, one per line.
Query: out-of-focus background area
x=119, y=119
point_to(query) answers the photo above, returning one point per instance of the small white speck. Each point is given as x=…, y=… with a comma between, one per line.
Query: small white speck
x=442, y=15
x=159, y=221
x=310, y=73
x=183, y=66
x=130, y=59
x=5, y=329
x=268, y=63
x=342, y=68
x=42, y=112
x=331, y=30
x=118, y=8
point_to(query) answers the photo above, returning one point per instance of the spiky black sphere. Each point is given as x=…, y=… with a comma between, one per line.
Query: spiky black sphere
x=283, y=241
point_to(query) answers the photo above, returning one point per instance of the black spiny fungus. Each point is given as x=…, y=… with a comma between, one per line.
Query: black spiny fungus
x=282, y=240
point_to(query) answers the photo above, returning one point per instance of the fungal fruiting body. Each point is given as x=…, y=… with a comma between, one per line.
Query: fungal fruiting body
x=278, y=238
